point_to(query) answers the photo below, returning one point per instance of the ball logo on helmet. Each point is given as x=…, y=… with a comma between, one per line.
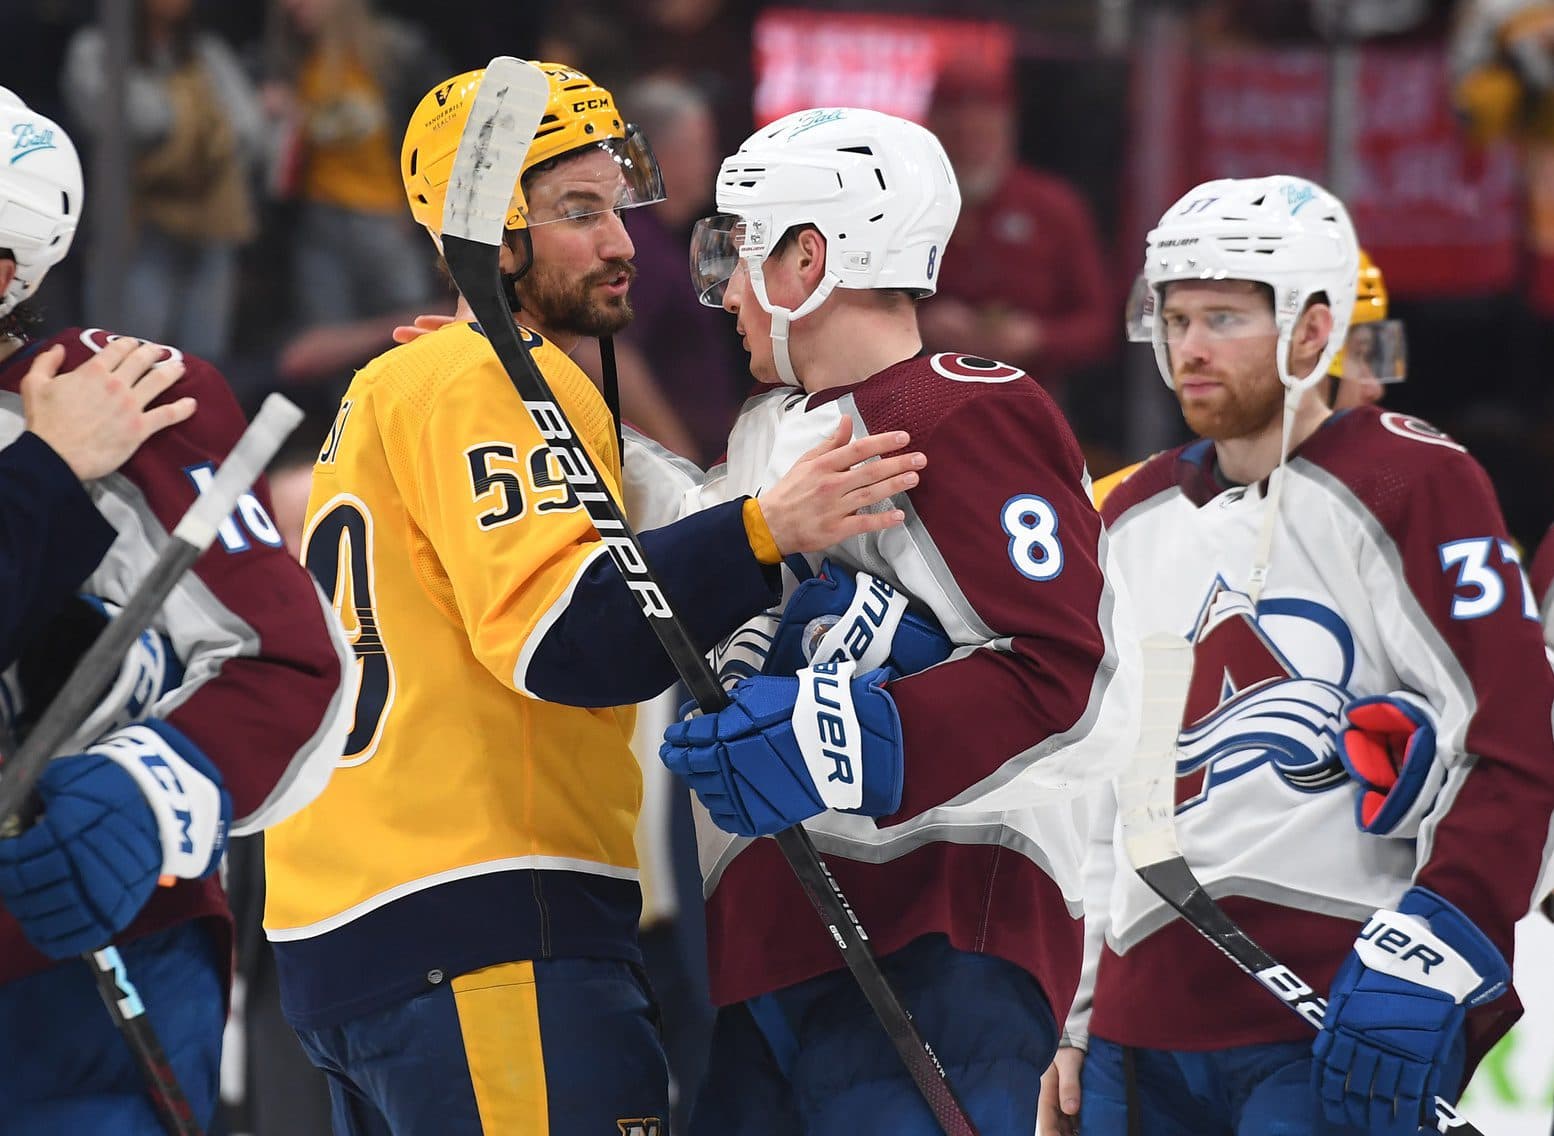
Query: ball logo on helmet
x=1299, y=196
x=30, y=138
x=812, y=119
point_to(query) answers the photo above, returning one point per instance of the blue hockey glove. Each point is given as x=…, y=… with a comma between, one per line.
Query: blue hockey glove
x=844, y=615
x=1395, y=1010
x=787, y=749
x=142, y=803
x=1388, y=746
x=149, y=670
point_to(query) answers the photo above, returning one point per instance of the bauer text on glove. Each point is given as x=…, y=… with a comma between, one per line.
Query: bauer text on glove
x=787, y=749
x=1392, y=1040
x=841, y=614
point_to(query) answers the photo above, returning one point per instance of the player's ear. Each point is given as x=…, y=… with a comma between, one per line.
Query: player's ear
x=7, y=269
x=1310, y=339
x=810, y=256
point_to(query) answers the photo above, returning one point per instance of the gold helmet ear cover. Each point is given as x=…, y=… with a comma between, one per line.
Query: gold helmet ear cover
x=1380, y=350
x=578, y=113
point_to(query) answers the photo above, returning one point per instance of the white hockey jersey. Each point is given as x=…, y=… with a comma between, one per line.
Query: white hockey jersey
x=1037, y=703
x=1391, y=571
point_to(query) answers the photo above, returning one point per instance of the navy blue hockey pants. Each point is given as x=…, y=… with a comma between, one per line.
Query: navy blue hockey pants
x=812, y=1059
x=65, y=1068
x=554, y=1047
x=1249, y=1090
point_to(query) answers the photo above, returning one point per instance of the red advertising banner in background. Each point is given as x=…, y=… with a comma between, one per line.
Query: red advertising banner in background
x=1439, y=216
x=807, y=58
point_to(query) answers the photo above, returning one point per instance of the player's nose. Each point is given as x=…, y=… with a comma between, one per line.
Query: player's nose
x=615, y=242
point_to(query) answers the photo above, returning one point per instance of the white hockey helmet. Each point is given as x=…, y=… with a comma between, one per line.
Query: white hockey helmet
x=40, y=195
x=1282, y=231
x=879, y=188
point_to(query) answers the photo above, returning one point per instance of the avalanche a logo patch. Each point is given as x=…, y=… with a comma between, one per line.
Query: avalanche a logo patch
x=1250, y=707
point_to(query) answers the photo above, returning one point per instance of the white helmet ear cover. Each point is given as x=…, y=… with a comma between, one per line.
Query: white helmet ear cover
x=782, y=318
x=40, y=196
x=1282, y=231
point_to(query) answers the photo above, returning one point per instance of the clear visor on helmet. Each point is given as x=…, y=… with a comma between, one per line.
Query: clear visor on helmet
x=1140, y=311
x=611, y=175
x=1376, y=349
x=716, y=244
x=1234, y=316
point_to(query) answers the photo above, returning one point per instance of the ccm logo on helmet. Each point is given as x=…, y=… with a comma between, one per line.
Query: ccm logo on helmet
x=592, y=103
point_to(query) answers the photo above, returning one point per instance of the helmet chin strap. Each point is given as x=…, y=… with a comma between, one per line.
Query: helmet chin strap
x=782, y=317
x=1294, y=391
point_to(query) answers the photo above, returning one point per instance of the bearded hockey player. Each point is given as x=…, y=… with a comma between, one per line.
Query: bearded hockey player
x=1365, y=770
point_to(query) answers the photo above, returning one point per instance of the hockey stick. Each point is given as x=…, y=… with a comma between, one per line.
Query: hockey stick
x=1146, y=810
x=92, y=674
x=506, y=112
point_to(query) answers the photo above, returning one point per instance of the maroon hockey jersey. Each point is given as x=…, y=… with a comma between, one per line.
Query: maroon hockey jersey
x=263, y=655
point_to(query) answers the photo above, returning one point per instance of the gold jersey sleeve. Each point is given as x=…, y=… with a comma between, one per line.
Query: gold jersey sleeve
x=448, y=540
x=1102, y=489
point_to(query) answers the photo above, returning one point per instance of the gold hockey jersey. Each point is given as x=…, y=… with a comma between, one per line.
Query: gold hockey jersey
x=447, y=537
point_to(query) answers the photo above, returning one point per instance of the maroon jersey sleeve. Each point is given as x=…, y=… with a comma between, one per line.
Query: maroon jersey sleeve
x=1462, y=627
x=1001, y=525
x=263, y=658
x=1542, y=573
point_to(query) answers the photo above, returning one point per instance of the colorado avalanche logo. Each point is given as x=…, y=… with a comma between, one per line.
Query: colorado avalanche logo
x=1249, y=705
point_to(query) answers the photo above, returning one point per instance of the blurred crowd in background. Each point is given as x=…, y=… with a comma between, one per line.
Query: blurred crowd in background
x=245, y=204
x=262, y=222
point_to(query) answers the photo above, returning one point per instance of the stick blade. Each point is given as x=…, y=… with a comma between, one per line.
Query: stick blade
x=507, y=110
x=1146, y=789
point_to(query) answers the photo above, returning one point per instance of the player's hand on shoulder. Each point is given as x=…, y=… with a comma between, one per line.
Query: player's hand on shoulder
x=149, y=670
x=841, y=614
x=1057, y=1108
x=789, y=748
x=140, y=804
x=1387, y=743
x=1392, y=1035
x=431, y=321
x=96, y=416
x=823, y=499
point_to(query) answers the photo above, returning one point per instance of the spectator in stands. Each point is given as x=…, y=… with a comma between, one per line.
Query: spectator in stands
x=691, y=351
x=1028, y=281
x=341, y=83
x=195, y=126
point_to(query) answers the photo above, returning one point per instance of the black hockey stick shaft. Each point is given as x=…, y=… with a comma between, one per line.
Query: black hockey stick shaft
x=77, y=698
x=471, y=250
x=1146, y=805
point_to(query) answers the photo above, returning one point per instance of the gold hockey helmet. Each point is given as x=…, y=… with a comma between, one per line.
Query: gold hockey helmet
x=1379, y=350
x=579, y=113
